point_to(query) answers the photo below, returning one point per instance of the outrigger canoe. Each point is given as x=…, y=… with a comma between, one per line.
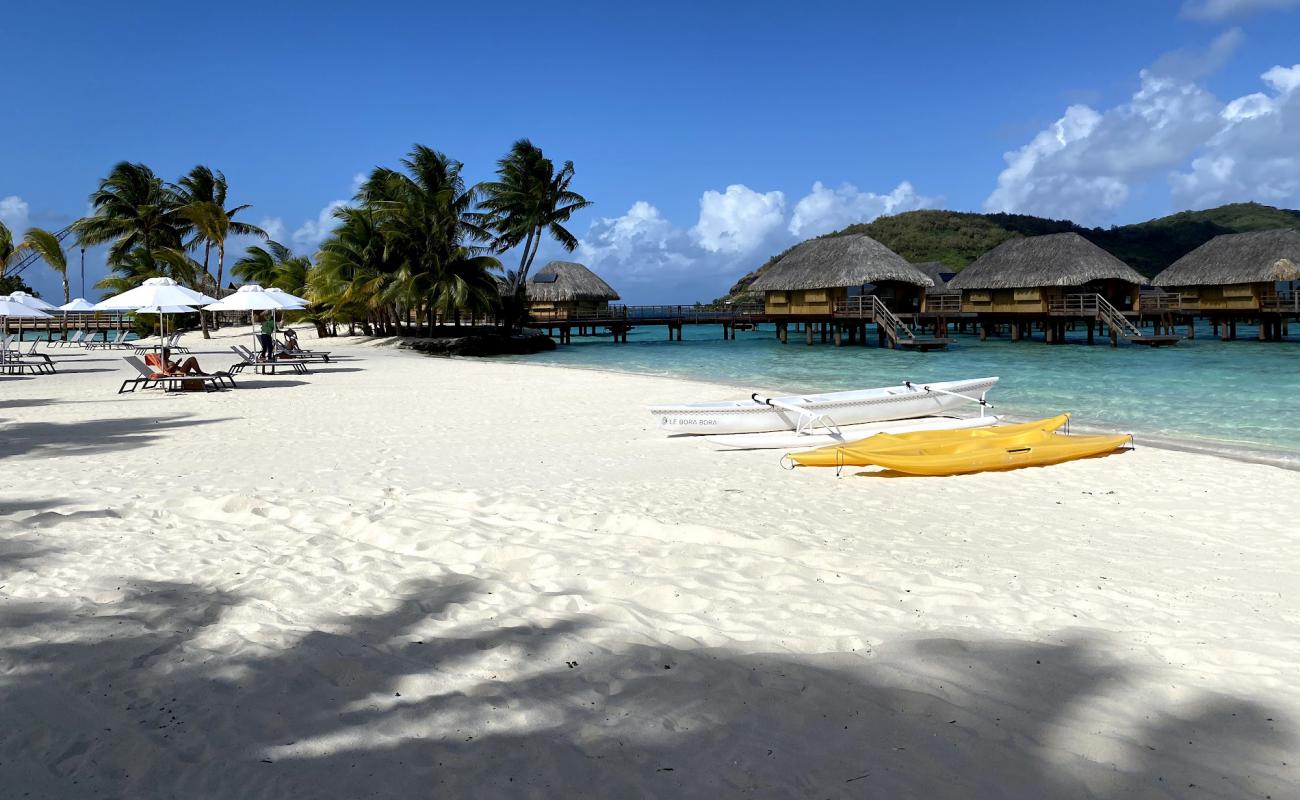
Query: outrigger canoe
x=829, y=410
x=847, y=435
x=859, y=454
x=1047, y=448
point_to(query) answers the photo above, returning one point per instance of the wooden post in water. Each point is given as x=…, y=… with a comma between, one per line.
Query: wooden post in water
x=808, y=333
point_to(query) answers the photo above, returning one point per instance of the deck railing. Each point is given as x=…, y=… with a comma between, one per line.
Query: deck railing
x=872, y=309
x=1282, y=302
x=1157, y=300
x=624, y=313
x=942, y=302
x=1096, y=306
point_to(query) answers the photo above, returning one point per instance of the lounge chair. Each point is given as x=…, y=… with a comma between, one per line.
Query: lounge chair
x=90, y=338
x=31, y=352
x=75, y=338
x=108, y=344
x=251, y=361
x=302, y=355
x=174, y=344
x=147, y=375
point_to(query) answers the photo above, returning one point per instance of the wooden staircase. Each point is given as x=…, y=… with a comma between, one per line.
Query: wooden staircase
x=870, y=308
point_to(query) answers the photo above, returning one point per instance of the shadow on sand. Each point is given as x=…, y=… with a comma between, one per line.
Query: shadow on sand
x=89, y=437
x=147, y=695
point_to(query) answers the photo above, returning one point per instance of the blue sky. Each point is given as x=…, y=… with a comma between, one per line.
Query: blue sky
x=709, y=135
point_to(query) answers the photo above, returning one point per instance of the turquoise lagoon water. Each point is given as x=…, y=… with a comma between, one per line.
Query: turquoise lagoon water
x=1241, y=397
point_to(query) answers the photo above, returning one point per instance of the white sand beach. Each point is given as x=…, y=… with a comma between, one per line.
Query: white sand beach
x=403, y=576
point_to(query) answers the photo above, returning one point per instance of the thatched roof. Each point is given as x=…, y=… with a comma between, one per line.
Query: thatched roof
x=1256, y=257
x=571, y=282
x=835, y=261
x=937, y=271
x=1057, y=259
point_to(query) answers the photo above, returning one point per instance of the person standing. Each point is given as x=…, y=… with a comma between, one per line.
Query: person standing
x=265, y=327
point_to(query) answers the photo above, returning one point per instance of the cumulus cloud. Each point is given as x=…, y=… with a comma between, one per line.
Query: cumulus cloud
x=738, y=219
x=649, y=258
x=1083, y=165
x=1253, y=155
x=825, y=209
x=311, y=233
x=14, y=213
x=1222, y=9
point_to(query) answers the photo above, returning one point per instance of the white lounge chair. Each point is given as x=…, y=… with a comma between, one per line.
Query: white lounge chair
x=147, y=375
x=251, y=361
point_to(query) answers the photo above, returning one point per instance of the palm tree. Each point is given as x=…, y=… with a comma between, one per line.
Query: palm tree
x=137, y=266
x=529, y=200
x=202, y=198
x=133, y=208
x=8, y=252
x=262, y=265
x=48, y=247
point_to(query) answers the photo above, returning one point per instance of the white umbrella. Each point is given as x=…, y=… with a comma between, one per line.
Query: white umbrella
x=165, y=310
x=154, y=292
x=80, y=304
x=283, y=295
x=251, y=297
x=31, y=301
x=13, y=308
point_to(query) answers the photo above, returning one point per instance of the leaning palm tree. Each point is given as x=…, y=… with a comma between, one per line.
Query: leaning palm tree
x=132, y=208
x=529, y=200
x=212, y=225
x=47, y=246
x=262, y=265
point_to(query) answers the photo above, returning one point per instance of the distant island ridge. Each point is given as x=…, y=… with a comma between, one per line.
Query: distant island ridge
x=957, y=238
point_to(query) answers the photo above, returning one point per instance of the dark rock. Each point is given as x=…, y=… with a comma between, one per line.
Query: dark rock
x=484, y=345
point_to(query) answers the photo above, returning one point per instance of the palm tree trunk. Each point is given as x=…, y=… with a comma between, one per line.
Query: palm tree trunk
x=67, y=298
x=203, y=317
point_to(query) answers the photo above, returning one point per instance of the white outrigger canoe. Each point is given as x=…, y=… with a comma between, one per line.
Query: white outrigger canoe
x=829, y=410
x=849, y=434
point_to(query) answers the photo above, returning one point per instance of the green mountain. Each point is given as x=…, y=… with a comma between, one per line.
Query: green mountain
x=958, y=238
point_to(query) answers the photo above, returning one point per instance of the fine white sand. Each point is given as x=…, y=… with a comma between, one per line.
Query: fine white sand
x=403, y=576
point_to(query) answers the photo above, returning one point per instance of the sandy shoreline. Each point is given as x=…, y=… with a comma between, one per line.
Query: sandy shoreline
x=408, y=576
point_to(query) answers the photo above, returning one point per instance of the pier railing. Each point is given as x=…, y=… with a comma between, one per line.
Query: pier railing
x=630, y=314
x=1157, y=300
x=1096, y=306
x=1281, y=302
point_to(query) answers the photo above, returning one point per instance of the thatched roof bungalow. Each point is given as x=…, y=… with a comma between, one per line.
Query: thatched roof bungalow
x=1235, y=271
x=1025, y=275
x=564, y=289
x=815, y=275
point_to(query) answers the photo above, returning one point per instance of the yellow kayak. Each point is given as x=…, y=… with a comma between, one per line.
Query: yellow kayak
x=996, y=454
x=859, y=454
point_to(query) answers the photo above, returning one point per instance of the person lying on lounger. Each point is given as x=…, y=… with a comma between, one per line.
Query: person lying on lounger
x=189, y=366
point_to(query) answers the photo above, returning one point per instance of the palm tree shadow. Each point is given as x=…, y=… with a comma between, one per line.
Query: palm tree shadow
x=90, y=437
x=154, y=692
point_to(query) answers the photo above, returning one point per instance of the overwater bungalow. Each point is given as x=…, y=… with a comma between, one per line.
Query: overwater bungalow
x=564, y=290
x=841, y=284
x=819, y=273
x=1236, y=277
x=1051, y=281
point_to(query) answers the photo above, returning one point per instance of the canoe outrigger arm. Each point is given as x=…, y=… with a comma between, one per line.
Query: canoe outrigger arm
x=982, y=402
x=806, y=420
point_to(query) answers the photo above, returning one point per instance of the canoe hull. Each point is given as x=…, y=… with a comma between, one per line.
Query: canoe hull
x=861, y=453
x=841, y=408
x=789, y=440
x=1057, y=449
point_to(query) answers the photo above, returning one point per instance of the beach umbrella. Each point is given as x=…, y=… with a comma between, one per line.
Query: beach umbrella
x=252, y=297
x=31, y=301
x=283, y=295
x=154, y=292
x=80, y=304
x=20, y=311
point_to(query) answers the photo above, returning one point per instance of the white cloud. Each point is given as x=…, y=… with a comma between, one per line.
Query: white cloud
x=1083, y=165
x=1252, y=156
x=1222, y=9
x=639, y=245
x=1190, y=63
x=823, y=209
x=274, y=227
x=312, y=232
x=14, y=214
x=737, y=220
